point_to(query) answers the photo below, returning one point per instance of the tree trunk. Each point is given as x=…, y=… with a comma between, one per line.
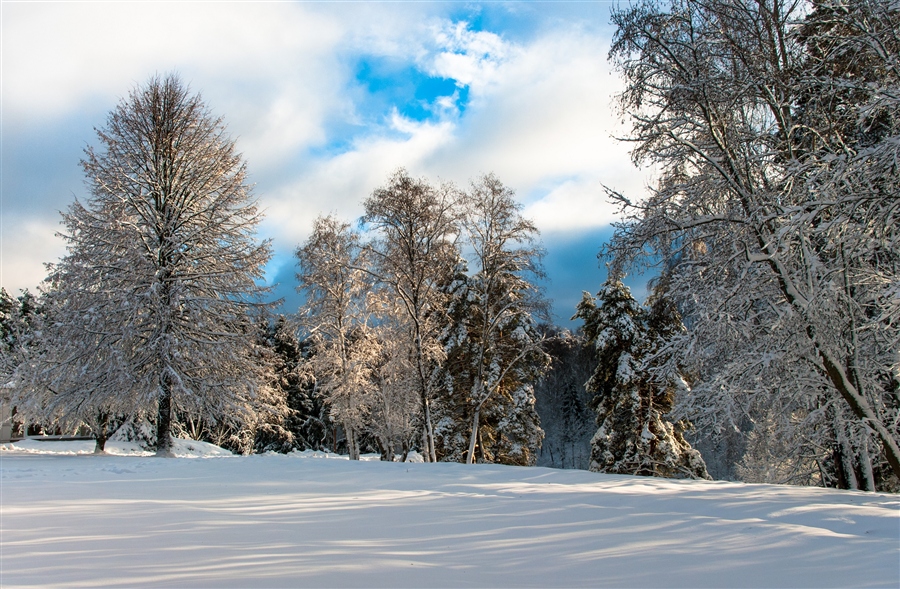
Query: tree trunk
x=352, y=442
x=470, y=456
x=428, y=430
x=102, y=434
x=164, y=421
x=858, y=404
x=835, y=370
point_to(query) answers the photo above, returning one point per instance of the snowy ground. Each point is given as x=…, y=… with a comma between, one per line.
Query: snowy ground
x=71, y=520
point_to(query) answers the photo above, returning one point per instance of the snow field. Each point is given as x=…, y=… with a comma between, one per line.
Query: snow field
x=82, y=520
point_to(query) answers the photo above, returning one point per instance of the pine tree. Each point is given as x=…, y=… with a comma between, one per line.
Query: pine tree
x=634, y=436
x=563, y=403
x=307, y=418
x=270, y=414
x=20, y=325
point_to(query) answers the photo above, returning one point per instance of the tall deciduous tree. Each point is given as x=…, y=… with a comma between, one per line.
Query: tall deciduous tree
x=774, y=126
x=414, y=254
x=494, y=348
x=150, y=305
x=336, y=315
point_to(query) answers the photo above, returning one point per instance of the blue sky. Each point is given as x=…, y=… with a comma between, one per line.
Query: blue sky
x=325, y=100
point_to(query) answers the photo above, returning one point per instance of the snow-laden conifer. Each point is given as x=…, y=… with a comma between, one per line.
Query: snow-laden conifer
x=494, y=352
x=632, y=403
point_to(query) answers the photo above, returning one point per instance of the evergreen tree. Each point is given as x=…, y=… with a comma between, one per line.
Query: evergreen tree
x=563, y=403
x=271, y=412
x=631, y=401
x=307, y=418
x=20, y=324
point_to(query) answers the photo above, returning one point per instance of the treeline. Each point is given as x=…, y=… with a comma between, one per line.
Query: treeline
x=419, y=330
x=770, y=337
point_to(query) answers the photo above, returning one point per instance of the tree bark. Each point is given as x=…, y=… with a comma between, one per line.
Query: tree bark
x=164, y=421
x=470, y=456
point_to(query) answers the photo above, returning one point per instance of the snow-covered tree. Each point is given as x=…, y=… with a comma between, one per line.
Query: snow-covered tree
x=17, y=324
x=632, y=403
x=307, y=417
x=413, y=255
x=150, y=304
x=774, y=128
x=494, y=352
x=336, y=315
x=394, y=407
x=20, y=331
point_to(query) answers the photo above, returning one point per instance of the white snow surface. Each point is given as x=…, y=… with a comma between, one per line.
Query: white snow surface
x=207, y=519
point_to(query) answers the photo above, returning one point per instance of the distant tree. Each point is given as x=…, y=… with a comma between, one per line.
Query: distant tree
x=17, y=318
x=20, y=325
x=307, y=418
x=270, y=412
x=336, y=316
x=494, y=352
x=563, y=403
x=634, y=436
x=413, y=255
x=150, y=303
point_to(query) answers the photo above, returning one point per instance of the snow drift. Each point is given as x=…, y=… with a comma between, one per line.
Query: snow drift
x=72, y=519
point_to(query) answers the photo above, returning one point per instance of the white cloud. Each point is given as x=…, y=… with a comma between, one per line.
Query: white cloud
x=282, y=75
x=540, y=118
x=472, y=58
x=270, y=68
x=340, y=184
x=573, y=205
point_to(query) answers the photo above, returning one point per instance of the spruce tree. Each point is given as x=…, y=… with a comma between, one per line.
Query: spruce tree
x=634, y=436
x=494, y=352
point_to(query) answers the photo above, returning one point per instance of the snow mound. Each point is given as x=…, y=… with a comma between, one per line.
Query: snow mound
x=181, y=448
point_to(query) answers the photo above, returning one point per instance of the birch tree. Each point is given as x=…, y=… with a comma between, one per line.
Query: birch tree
x=394, y=408
x=775, y=131
x=336, y=315
x=494, y=348
x=413, y=255
x=150, y=303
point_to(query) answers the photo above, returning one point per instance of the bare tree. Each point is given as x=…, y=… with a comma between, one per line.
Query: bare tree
x=151, y=302
x=336, y=316
x=394, y=408
x=774, y=125
x=413, y=255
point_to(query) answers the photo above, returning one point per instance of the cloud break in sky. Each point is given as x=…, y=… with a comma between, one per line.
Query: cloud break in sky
x=325, y=100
